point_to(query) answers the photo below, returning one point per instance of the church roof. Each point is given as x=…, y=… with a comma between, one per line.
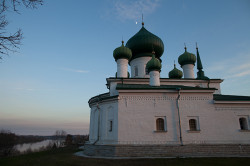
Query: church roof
x=101, y=97
x=218, y=97
x=154, y=64
x=122, y=52
x=166, y=87
x=200, y=73
x=186, y=58
x=175, y=73
x=144, y=42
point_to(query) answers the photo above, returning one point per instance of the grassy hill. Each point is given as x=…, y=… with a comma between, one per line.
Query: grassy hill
x=64, y=157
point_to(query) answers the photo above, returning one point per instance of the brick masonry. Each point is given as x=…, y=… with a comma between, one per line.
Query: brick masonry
x=221, y=150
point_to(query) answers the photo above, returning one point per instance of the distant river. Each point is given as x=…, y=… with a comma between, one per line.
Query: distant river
x=33, y=146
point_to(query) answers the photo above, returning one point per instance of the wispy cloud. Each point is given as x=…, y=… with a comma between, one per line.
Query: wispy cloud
x=236, y=72
x=240, y=73
x=244, y=66
x=25, y=89
x=133, y=9
x=236, y=67
x=75, y=70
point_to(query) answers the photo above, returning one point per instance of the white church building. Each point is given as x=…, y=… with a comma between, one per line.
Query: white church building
x=144, y=114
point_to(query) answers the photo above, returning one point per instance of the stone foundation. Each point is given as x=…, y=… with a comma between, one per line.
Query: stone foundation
x=220, y=150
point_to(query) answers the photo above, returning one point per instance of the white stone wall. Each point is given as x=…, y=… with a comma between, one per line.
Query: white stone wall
x=112, y=90
x=134, y=116
x=137, y=119
x=108, y=112
x=137, y=114
x=214, y=85
x=140, y=63
x=188, y=71
x=93, y=130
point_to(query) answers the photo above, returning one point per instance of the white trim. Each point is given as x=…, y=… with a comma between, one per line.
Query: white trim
x=163, y=91
x=232, y=102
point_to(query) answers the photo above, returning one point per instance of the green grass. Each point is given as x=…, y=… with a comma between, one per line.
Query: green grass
x=65, y=157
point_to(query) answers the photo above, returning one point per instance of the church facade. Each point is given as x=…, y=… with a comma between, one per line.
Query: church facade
x=182, y=115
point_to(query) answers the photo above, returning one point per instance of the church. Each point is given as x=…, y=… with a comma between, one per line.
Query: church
x=144, y=114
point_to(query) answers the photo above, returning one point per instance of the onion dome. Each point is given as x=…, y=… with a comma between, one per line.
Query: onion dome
x=186, y=58
x=154, y=64
x=144, y=42
x=175, y=73
x=122, y=52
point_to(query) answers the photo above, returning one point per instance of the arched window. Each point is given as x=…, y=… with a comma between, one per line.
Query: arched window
x=160, y=124
x=192, y=125
x=243, y=124
x=136, y=71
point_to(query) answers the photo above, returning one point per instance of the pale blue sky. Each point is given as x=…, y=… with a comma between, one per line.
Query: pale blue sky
x=67, y=54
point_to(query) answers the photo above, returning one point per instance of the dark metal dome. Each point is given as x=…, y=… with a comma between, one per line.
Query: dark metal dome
x=186, y=58
x=175, y=73
x=143, y=43
x=122, y=52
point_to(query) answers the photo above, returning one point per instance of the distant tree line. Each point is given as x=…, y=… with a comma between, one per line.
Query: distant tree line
x=8, y=140
x=76, y=139
x=64, y=139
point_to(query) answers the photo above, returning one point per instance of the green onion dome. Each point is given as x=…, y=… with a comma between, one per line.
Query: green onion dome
x=143, y=43
x=122, y=52
x=154, y=64
x=186, y=58
x=175, y=73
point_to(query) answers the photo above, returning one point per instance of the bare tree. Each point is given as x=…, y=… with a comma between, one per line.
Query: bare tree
x=60, y=137
x=10, y=42
x=69, y=140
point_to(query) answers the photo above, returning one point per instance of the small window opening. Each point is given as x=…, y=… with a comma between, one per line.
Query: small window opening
x=110, y=125
x=160, y=124
x=243, y=124
x=146, y=71
x=136, y=71
x=192, y=125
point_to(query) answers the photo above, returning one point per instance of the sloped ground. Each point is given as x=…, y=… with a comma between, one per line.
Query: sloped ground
x=65, y=157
